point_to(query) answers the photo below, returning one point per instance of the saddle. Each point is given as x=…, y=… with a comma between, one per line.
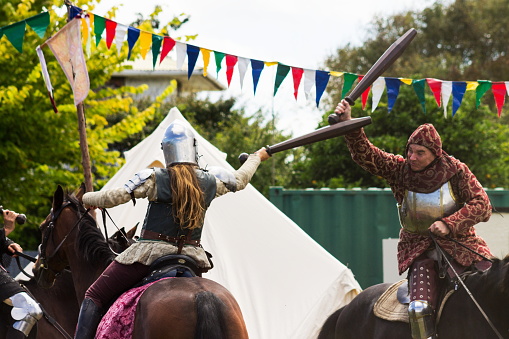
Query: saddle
x=393, y=304
x=172, y=266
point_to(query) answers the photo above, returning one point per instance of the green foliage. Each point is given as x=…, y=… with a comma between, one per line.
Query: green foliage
x=460, y=41
x=40, y=149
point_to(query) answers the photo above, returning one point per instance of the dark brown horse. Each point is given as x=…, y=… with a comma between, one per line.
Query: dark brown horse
x=60, y=303
x=176, y=308
x=460, y=317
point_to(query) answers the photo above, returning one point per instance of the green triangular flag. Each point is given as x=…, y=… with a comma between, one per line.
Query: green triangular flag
x=39, y=23
x=348, y=80
x=1, y=33
x=219, y=56
x=157, y=40
x=15, y=33
x=484, y=86
x=281, y=73
x=418, y=86
x=99, y=26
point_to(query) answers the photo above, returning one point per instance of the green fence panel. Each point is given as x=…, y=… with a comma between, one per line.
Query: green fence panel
x=350, y=224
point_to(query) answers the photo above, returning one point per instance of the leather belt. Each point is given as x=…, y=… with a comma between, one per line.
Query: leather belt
x=150, y=235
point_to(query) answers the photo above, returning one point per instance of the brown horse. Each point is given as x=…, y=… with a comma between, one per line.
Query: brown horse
x=60, y=303
x=460, y=317
x=171, y=308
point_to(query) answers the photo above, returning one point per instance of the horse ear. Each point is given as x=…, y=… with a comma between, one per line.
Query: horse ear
x=58, y=198
x=79, y=193
x=132, y=231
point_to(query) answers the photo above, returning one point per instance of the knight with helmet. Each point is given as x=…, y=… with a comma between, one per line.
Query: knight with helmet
x=179, y=196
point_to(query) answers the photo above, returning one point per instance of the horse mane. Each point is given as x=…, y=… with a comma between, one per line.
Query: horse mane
x=90, y=243
x=494, y=280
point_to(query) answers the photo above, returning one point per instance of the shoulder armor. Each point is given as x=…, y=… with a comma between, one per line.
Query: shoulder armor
x=138, y=179
x=226, y=176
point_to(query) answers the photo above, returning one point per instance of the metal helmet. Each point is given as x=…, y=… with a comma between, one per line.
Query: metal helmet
x=179, y=145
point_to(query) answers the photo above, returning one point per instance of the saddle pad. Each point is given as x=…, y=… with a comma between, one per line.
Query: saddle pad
x=388, y=307
x=118, y=322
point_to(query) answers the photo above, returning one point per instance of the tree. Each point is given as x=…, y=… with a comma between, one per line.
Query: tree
x=454, y=42
x=38, y=148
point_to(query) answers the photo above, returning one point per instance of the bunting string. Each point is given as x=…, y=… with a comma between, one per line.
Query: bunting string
x=160, y=46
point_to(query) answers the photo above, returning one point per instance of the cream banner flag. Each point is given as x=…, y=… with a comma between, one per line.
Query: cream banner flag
x=67, y=47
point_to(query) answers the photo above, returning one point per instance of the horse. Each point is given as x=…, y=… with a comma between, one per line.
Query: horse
x=60, y=304
x=460, y=316
x=178, y=307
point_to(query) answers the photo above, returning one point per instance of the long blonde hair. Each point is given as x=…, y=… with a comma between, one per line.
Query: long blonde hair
x=188, y=199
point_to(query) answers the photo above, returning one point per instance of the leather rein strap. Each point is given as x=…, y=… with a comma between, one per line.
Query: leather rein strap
x=465, y=286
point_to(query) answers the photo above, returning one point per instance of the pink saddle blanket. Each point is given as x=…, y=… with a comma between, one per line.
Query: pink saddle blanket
x=118, y=322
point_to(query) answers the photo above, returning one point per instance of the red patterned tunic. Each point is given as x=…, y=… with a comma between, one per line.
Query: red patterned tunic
x=475, y=203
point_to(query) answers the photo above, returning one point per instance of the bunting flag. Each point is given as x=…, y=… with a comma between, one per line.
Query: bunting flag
x=243, y=64
x=67, y=48
x=132, y=37
x=256, y=69
x=458, y=91
x=499, y=92
x=157, y=41
x=321, y=81
x=281, y=73
x=377, y=89
x=15, y=32
x=231, y=61
x=297, y=77
x=419, y=87
x=309, y=82
x=348, y=80
x=393, y=85
x=205, y=53
x=161, y=46
x=446, y=89
x=219, y=56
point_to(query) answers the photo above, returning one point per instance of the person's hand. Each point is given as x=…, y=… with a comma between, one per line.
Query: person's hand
x=262, y=154
x=14, y=248
x=9, y=218
x=344, y=110
x=439, y=228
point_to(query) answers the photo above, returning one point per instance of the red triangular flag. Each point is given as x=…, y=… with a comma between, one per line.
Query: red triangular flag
x=297, y=76
x=499, y=91
x=231, y=61
x=365, y=94
x=436, y=87
x=111, y=26
x=168, y=44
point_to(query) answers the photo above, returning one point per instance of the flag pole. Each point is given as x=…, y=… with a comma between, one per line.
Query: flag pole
x=82, y=127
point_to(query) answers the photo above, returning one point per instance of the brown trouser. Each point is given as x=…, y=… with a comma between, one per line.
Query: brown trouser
x=115, y=280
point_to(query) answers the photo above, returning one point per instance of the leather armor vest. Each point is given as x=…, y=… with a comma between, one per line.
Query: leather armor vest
x=419, y=210
x=159, y=217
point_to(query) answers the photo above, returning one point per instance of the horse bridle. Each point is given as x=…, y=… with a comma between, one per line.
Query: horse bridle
x=43, y=258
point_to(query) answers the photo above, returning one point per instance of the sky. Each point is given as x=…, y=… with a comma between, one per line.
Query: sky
x=298, y=33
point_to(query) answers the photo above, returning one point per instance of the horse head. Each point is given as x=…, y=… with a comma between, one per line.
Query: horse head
x=69, y=233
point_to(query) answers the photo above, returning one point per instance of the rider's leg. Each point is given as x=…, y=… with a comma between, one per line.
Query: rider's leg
x=25, y=312
x=116, y=279
x=423, y=298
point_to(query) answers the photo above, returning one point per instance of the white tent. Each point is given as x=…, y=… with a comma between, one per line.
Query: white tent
x=285, y=283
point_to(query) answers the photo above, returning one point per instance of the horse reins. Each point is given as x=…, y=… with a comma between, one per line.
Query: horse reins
x=42, y=250
x=437, y=246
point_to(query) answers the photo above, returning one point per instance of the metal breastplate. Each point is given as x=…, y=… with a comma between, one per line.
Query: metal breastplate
x=419, y=210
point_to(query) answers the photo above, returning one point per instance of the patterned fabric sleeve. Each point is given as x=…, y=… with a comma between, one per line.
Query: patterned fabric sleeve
x=371, y=158
x=477, y=207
